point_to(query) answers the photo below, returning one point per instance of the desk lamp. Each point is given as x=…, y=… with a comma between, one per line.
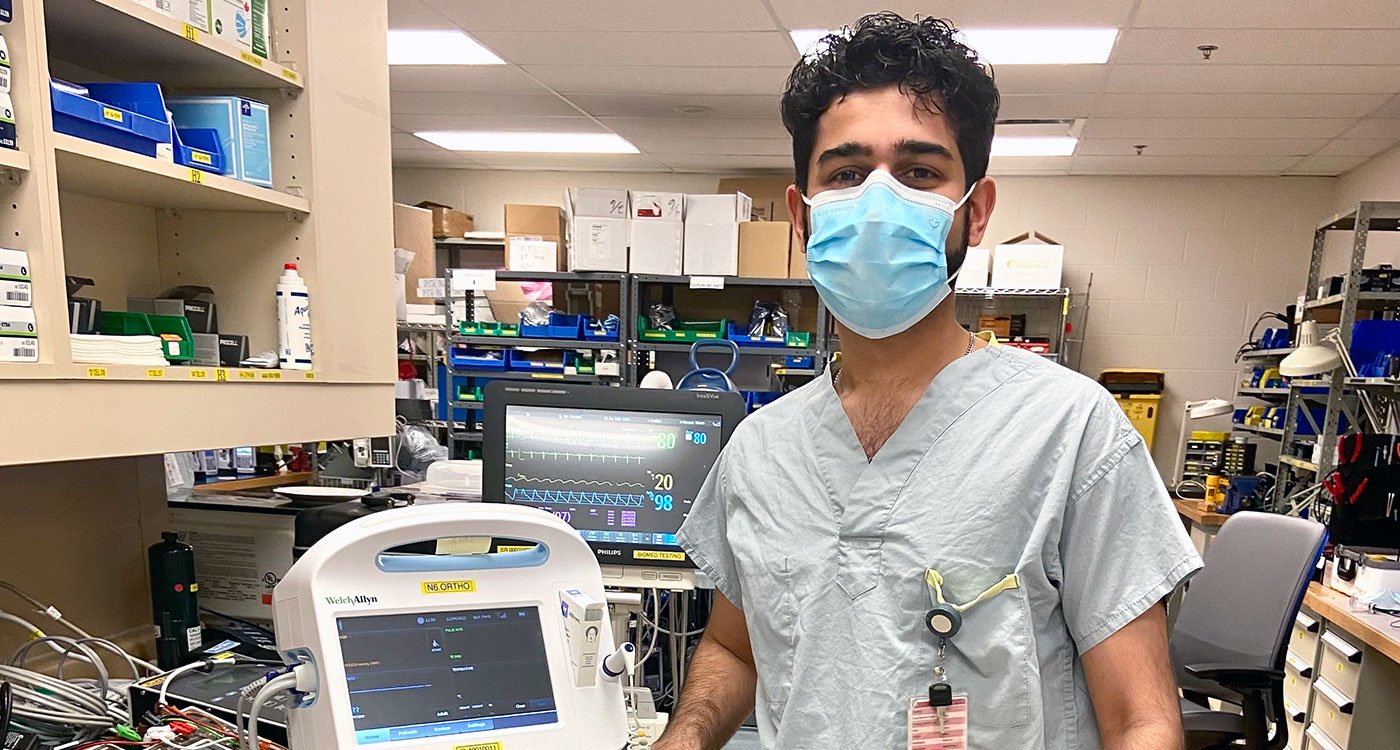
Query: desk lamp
x=1210, y=407
x=1317, y=355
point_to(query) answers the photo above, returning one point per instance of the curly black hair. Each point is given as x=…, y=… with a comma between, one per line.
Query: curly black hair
x=922, y=57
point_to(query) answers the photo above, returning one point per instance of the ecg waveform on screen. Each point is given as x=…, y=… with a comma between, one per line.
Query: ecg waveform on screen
x=576, y=497
x=583, y=482
x=589, y=439
x=571, y=456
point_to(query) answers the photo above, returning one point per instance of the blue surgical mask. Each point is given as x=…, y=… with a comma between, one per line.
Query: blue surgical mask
x=877, y=253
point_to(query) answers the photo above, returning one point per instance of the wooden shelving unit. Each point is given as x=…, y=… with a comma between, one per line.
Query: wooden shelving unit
x=138, y=225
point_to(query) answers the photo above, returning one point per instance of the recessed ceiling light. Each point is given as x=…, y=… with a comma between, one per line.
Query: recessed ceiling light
x=1011, y=146
x=530, y=143
x=437, y=47
x=1014, y=46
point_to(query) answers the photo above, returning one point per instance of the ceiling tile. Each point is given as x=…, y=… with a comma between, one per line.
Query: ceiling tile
x=1201, y=146
x=1325, y=165
x=415, y=14
x=585, y=79
x=1356, y=147
x=402, y=141
x=1268, y=14
x=1017, y=165
x=1252, y=79
x=1193, y=127
x=1180, y=164
x=740, y=49
x=1374, y=127
x=1050, y=79
x=572, y=162
x=480, y=103
x=666, y=105
x=1046, y=106
x=506, y=123
x=575, y=16
x=685, y=127
x=829, y=14
x=437, y=158
x=710, y=163
x=1389, y=109
x=460, y=78
x=1261, y=46
x=715, y=146
x=1237, y=105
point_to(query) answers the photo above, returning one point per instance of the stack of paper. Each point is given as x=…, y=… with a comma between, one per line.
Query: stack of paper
x=117, y=350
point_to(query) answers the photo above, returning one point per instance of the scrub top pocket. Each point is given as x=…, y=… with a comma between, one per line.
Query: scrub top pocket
x=993, y=659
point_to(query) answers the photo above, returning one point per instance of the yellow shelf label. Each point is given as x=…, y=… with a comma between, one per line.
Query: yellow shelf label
x=310, y=376
x=190, y=32
x=155, y=372
x=97, y=372
x=201, y=158
x=221, y=375
x=547, y=376
x=199, y=374
x=270, y=375
x=251, y=59
x=196, y=176
x=113, y=114
x=290, y=75
x=247, y=375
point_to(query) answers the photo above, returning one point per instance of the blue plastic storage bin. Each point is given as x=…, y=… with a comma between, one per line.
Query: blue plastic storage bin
x=755, y=399
x=129, y=116
x=799, y=363
x=560, y=326
x=739, y=334
x=590, y=333
x=479, y=359
x=1373, y=344
x=199, y=148
x=557, y=363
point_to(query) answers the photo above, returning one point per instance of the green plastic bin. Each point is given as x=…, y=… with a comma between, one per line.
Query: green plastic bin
x=472, y=328
x=683, y=330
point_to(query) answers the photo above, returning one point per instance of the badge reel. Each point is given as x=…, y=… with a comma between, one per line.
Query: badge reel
x=938, y=721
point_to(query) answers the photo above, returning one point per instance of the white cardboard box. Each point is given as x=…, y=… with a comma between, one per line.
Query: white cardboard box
x=598, y=203
x=711, y=248
x=242, y=23
x=718, y=208
x=19, y=340
x=598, y=244
x=532, y=254
x=1027, y=266
x=192, y=12
x=647, y=205
x=15, y=287
x=976, y=269
x=657, y=247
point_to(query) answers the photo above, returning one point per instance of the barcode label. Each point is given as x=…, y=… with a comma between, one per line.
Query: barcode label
x=26, y=352
x=16, y=296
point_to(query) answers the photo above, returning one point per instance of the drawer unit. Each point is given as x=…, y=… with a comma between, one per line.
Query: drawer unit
x=1297, y=682
x=1305, y=639
x=1340, y=664
x=1297, y=723
x=1319, y=740
x=1332, y=711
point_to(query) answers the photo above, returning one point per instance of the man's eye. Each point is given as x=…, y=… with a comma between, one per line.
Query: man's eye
x=921, y=174
x=846, y=177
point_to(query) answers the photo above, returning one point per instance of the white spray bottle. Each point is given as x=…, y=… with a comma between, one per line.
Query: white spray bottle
x=293, y=320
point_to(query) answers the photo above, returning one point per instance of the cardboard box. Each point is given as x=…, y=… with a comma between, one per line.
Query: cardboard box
x=1021, y=265
x=597, y=203
x=768, y=195
x=657, y=206
x=712, y=233
x=764, y=248
x=598, y=244
x=15, y=286
x=164, y=6
x=242, y=23
x=192, y=12
x=535, y=238
x=976, y=269
x=206, y=349
x=245, y=132
x=233, y=349
x=797, y=263
x=414, y=229
x=507, y=301
x=444, y=222
x=19, y=338
x=657, y=247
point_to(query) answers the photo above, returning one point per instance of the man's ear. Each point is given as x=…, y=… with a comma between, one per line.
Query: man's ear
x=797, y=213
x=979, y=210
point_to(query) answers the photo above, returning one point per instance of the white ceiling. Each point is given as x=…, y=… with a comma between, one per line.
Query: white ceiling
x=1296, y=87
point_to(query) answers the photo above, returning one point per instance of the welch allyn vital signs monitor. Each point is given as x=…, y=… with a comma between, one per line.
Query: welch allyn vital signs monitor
x=501, y=651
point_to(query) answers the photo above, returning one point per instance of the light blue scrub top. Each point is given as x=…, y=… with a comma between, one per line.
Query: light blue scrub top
x=1007, y=463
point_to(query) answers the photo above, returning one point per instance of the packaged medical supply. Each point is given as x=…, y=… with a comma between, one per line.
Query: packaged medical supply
x=244, y=127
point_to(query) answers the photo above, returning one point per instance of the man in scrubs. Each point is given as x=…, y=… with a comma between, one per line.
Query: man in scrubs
x=931, y=472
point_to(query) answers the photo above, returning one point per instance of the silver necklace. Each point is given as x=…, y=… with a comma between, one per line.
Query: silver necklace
x=971, y=342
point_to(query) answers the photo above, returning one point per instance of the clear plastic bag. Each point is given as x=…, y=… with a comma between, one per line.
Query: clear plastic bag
x=417, y=449
x=661, y=317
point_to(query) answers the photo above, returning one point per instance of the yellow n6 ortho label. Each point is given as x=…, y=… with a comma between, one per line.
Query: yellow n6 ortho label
x=113, y=114
x=653, y=554
x=482, y=746
x=449, y=587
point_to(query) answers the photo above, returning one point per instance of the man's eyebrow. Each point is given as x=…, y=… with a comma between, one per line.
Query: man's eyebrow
x=847, y=149
x=909, y=147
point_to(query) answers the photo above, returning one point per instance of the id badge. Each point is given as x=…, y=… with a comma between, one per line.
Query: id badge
x=925, y=731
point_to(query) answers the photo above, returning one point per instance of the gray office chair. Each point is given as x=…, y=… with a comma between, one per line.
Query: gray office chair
x=1232, y=629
